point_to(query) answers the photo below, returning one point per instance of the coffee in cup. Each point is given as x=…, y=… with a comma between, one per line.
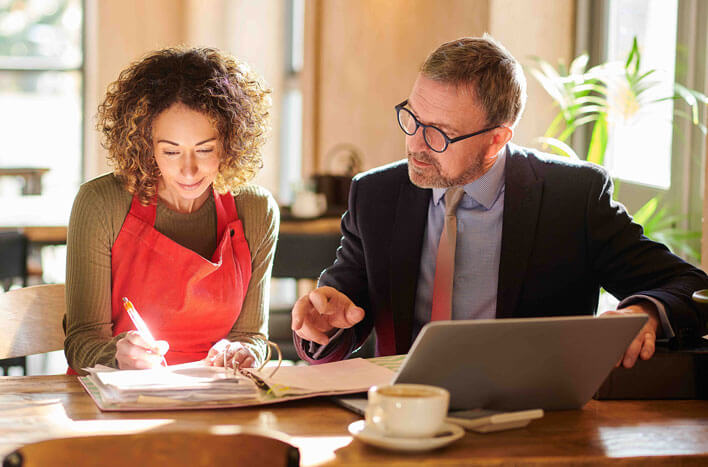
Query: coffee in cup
x=407, y=410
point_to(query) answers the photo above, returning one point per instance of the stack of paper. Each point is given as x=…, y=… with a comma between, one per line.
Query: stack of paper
x=194, y=385
x=189, y=382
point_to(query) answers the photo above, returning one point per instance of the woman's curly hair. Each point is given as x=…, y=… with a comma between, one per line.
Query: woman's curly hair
x=233, y=97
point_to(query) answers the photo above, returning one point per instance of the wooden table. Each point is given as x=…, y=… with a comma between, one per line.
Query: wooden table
x=631, y=433
x=42, y=234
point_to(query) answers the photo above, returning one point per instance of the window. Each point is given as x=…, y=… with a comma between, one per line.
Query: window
x=658, y=154
x=639, y=148
x=41, y=98
x=291, y=129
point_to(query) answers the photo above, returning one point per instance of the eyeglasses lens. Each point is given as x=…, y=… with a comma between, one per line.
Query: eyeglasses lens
x=406, y=121
x=435, y=139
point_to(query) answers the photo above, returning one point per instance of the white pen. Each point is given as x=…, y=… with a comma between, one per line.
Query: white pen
x=139, y=323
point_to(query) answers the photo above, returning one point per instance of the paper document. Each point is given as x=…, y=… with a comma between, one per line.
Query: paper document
x=190, y=381
x=355, y=375
x=196, y=386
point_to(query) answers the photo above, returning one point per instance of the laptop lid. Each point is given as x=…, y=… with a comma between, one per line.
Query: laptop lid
x=514, y=364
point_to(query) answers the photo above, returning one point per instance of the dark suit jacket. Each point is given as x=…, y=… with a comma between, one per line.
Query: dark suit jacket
x=563, y=237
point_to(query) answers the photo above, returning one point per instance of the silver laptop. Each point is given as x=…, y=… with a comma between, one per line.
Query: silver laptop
x=516, y=364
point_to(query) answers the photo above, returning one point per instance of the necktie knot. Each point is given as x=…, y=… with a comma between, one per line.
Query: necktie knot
x=453, y=196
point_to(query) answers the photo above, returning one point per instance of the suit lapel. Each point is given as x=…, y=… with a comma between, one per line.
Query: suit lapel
x=522, y=201
x=408, y=231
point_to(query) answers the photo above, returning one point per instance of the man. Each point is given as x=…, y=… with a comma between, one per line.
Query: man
x=525, y=234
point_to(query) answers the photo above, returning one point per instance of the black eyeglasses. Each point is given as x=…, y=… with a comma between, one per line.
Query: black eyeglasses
x=434, y=137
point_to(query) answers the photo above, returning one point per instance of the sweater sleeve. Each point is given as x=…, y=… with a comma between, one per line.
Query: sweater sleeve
x=88, y=325
x=261, y=221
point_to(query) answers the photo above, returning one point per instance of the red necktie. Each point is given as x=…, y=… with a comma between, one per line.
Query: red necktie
x=445, y=262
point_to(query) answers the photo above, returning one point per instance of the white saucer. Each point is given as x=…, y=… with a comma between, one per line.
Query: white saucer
x=448, y=433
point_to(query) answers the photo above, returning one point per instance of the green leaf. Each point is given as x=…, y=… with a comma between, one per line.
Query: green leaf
x=562, y=148
x=598, y=141
x=633, y=60
x=579, y=64
x=550, y=87
x=548, y=69
x=555, y=125
x=690, y=99
x=646, y=211
x=593, y=117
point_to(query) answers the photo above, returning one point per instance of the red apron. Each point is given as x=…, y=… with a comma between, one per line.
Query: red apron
x=184, y=299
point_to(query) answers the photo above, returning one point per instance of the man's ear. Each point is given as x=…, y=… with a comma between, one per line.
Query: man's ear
x=500, y=136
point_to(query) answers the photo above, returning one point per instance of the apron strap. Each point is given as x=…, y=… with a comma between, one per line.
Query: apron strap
x=225, y=212
x=147, y=213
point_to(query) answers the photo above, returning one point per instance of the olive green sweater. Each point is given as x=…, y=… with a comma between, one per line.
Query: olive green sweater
x=97, y=216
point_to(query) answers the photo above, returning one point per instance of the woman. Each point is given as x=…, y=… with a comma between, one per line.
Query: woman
x=183, y=129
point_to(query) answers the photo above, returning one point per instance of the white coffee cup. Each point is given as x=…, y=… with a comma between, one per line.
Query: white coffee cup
x=308, y=204
x=407, y=410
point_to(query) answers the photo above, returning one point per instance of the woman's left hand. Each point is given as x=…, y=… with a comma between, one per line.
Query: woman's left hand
x=237, y=355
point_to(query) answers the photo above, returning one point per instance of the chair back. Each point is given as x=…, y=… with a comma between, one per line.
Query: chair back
x=304, y=256
x=153, y=448
x=298, y=256
x=31, y=320
x=13, y=258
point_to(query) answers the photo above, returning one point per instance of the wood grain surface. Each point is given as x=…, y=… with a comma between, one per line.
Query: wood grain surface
x=623, y=432
x=30, y=320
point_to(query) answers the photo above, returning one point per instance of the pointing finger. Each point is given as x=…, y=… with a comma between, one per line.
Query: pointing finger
x=301, y=309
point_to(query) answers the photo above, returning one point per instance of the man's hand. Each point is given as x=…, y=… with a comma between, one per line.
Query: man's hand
x=644, y=343
x=320, y=311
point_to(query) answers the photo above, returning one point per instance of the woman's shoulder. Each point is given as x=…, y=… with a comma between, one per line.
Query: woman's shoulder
x=106, y=186
x=258, y=210
x=255, y=199
x=104, y=200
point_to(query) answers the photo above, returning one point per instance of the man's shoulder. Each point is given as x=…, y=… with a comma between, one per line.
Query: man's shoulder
x=385, y=175
x=544, y=165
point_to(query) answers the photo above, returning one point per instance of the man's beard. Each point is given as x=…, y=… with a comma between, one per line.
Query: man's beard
x=432, y=177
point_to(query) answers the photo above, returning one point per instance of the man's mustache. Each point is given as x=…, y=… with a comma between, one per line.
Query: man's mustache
x=423, y=157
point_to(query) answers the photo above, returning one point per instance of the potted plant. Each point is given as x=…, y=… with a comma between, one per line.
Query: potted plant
x=593, y=97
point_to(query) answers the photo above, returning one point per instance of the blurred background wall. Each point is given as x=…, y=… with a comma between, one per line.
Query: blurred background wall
x=337, y=68
x=360, y=59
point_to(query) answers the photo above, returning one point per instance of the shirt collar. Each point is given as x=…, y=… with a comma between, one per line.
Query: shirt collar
x=486, y=188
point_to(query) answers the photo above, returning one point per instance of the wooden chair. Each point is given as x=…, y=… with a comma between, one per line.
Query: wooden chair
x=31, y=321
x=13, y=258
x=173, y=449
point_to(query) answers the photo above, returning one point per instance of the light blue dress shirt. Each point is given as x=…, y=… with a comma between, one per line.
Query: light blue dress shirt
x=477, y=252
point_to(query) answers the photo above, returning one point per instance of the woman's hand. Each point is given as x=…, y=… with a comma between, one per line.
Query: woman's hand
x=133, y=352
x=237, y=355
